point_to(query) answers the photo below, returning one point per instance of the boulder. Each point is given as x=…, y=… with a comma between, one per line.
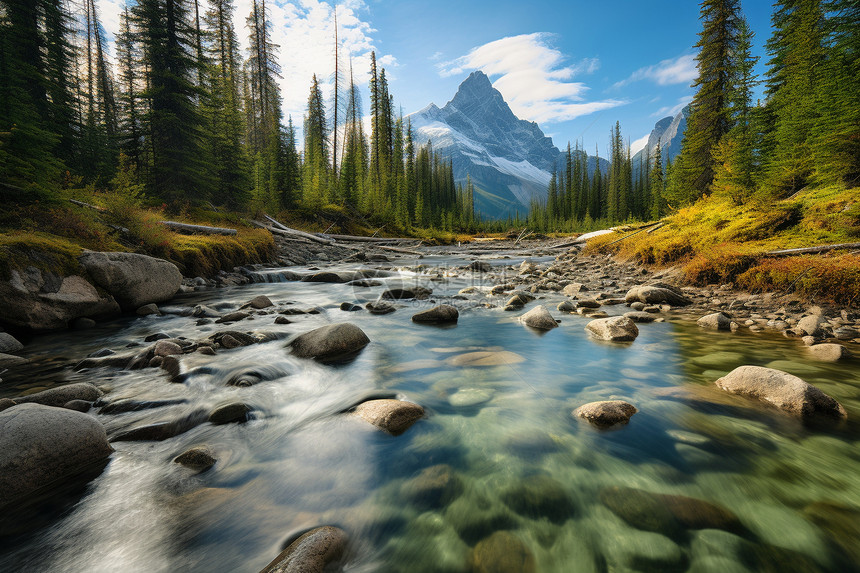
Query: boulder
x=56, y=397
x=233, y=317
x=607, y=413
x=9, y=343
x=78, y=405
x=7, y=360
x=348, y=307
x=783, y=390
x=258, y=302
x=380, y=307
x=203, y=311
x=331, y=277
x=653, y=294
x=615, y=328
x=160, y=431
x=811, y=325
x=566, y=306
x=829, y=352
x=639, y=316
x=330, y=343
x=40, y=301
x=166, y=348
x=519, y=300
x=40, y=446
x=393, y=416
x=539, y=318
x=200, y=458
x=6, y=403
x=416, y=292
x=442, y=313
x=132, y=279
x=715, y=321
x=587, y=303
x=318, y=550
x=148, y=309
x=573, y=289
x=502, y=552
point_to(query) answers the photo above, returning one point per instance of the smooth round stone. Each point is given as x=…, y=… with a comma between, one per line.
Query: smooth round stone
x=466, y=397
x=715, y=543
x=502, y=552
x=794, y=532
x=688, y=437
x=792, y=367
x=642, y=550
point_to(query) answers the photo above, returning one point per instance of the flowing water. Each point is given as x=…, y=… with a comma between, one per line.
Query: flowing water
x=513, y=458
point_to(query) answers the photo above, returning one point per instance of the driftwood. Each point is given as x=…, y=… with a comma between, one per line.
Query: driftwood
x=357, y=239
x=87, y=205
x=811, y=250
x=298, y=233
x=197, y=229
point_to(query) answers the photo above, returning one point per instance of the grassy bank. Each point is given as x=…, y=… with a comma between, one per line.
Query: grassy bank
x=51, y=235
x=715, y=241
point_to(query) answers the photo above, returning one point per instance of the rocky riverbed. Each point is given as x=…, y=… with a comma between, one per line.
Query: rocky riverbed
x=486, y=407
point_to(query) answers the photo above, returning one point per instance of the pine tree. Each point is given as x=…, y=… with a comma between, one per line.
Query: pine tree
x=128, y=56
x=656, y=207
x=178, y=168
x=316, y=163
x=710, y=117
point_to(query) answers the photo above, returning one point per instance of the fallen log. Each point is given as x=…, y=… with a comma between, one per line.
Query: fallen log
x=197, y=229
x=296, y=232
x=398, y=250
x=87, y=205
x=357, y=239
x=811, y=250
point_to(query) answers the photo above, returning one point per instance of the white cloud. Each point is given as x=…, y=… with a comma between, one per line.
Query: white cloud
x=680, y=70
x=304, y=32
x=533, y=77
x=673, y=110
x=639, y=144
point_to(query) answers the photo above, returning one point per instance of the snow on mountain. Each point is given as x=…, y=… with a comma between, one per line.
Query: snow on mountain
x=509, y=160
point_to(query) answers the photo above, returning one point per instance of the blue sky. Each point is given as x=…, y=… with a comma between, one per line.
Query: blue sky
x=575, y=67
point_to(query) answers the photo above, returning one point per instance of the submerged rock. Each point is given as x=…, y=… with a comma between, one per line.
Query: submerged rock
x=200, y=458
x=415, y=292
x=606, y=413
x=160, y=431
x=485, y=358
x=393, y=416
x=434, y=487
x=539, y=496
x=502, y=552
x=615, y=329
x=316, y=551
x=519, y=300
x=41, y=445
x=539, y=318
x=670, y=515
x=259, y=302
x=639, y=316
x=330, y=343
x=229, y=413
x=56, y=397
x=380, y=307
x=443, y=313
x=783, y=390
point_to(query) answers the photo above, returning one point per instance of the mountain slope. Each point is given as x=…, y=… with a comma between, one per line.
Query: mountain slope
x=669, y=131
x=509, y=159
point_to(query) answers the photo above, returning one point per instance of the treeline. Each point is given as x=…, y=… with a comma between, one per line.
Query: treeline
x=577, y=201
x=184, y=119
x=805, y=132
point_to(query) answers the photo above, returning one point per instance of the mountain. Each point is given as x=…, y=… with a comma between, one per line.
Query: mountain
x=669, y=131
x=510, y=160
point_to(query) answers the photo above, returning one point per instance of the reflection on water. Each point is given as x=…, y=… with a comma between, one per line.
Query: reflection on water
x=698, y=481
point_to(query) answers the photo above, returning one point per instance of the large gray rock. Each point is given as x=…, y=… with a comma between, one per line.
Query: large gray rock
x=715, y=321
x=811, y=325
x=443, y=313
x=314, y=552
x=653, y=294
x=540, y=318
x=41, y=301
x=393, y=416
x=829, y=352
x=58, y=396
x=41, y=445
x=615, y=328
x=134, y=280
x=7, y=360
x=9, y=343
x=606, y=413
x=330, y=343
x=783, y=390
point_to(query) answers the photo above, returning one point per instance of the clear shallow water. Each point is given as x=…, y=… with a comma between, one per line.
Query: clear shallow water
x=517, y=461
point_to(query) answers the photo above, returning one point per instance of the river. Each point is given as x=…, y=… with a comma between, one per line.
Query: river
x=504, y=451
